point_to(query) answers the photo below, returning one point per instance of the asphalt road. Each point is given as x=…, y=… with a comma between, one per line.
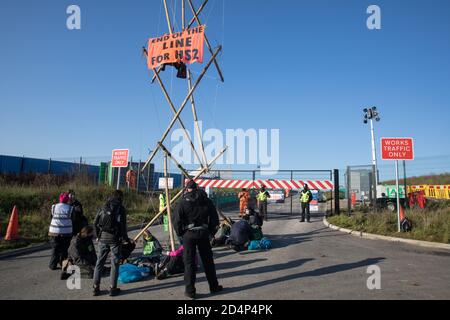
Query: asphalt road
x=308, y=261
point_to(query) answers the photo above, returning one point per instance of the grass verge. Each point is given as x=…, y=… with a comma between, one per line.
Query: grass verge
x=430, y=224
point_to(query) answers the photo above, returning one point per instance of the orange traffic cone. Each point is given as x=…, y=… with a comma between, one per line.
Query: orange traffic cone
x=13, y=226
x=402, y=213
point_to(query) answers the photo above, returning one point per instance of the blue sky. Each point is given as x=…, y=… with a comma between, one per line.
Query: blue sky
x=305, y=67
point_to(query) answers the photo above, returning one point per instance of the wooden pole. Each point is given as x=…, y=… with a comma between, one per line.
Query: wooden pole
x=183, y=171
x=183, y=22
x=179, y=194
x=197, y=128
x=182, y=107
x=207, y=41
x=166, y=94
x=198, y=13
x=169, y=24
x=169, y=212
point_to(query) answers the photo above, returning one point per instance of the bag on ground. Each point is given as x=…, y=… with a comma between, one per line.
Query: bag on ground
x=130, y=273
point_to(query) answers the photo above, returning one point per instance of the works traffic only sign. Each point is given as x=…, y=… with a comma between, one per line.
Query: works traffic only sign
x=119, y=158
x=397, y=148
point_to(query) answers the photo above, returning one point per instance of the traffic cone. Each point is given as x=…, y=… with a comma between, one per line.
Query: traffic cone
x=13, y=226
x=402, y=213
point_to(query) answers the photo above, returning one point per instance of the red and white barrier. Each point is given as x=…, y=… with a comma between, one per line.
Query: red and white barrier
x=269, y=184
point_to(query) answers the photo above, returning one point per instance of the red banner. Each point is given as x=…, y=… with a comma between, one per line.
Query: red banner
x=186, y=47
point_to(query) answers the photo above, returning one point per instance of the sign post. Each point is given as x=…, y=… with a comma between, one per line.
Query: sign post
x=397, y=149
x=119, y=159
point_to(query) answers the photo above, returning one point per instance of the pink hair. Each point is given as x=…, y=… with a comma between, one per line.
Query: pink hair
x=64, y=197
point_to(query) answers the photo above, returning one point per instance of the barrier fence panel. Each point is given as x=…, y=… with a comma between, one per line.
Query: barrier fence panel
x=284, y=187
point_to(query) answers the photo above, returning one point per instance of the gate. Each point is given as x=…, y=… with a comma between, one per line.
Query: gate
x=284, y=187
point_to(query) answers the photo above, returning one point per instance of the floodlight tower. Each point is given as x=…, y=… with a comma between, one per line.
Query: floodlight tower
x=369, y=115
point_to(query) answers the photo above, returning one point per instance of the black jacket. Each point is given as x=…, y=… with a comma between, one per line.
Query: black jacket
x=114, y=205
x=241, y=233
x=82, y=251
x=79, y=221
x=195, y=208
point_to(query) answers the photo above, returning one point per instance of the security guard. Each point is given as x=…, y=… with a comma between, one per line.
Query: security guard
x=305, y=199
x=162, y=205
x=196, y=220
x=262, y=203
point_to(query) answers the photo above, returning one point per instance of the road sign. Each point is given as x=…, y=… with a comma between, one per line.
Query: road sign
x=162, y=183
x=397, y=148
x=119, y=158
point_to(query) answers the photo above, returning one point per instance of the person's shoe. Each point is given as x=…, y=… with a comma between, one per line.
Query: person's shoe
x=190, y=295
x=96, y=291
x=163, y=274
x=302, y=220
x=216, y=289
x=309, y=221
x=65, y=276
x=114, y=292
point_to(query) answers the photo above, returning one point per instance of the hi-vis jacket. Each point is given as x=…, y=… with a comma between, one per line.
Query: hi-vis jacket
x=61, y=223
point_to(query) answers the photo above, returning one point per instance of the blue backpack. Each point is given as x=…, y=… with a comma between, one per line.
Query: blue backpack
x=265, y=243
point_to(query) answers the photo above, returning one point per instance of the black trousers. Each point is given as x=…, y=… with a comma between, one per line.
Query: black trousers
x=60, y=245
x=191, y=241
x=263, y=210
x=305, y=208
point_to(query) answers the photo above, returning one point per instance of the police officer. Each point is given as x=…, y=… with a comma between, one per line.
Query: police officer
x=305, y=199
x=196, y=220
x=262, y=203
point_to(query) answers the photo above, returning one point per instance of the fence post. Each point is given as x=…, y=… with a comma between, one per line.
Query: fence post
x=337, y=204
x=138, y=176
x=349, y=202
x=291, y=195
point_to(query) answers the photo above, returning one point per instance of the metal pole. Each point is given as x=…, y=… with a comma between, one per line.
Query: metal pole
x=182, y=106
x=291, y=194
x=374, y=152
x=337, y=204
x=406, y=185
x=169, y=213
x=398, y=195
x=138, y=176
x=118, y=180
x=349, y=201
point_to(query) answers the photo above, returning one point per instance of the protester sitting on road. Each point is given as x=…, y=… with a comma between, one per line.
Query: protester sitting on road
x=60, y=231
x=255, y=218
x=79, y=220
x=240, y=235
x=223, y=234
x=111, y=229
x=82, y=253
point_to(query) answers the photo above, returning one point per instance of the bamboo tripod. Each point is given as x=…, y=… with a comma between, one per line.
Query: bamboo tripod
x=192, y=86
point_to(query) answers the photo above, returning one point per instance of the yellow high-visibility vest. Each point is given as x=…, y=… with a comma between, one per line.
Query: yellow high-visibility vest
x=304, y=197
x=262, y=196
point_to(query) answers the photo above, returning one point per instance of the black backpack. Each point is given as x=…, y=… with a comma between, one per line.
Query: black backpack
x=406, y=225
x=107, y=221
